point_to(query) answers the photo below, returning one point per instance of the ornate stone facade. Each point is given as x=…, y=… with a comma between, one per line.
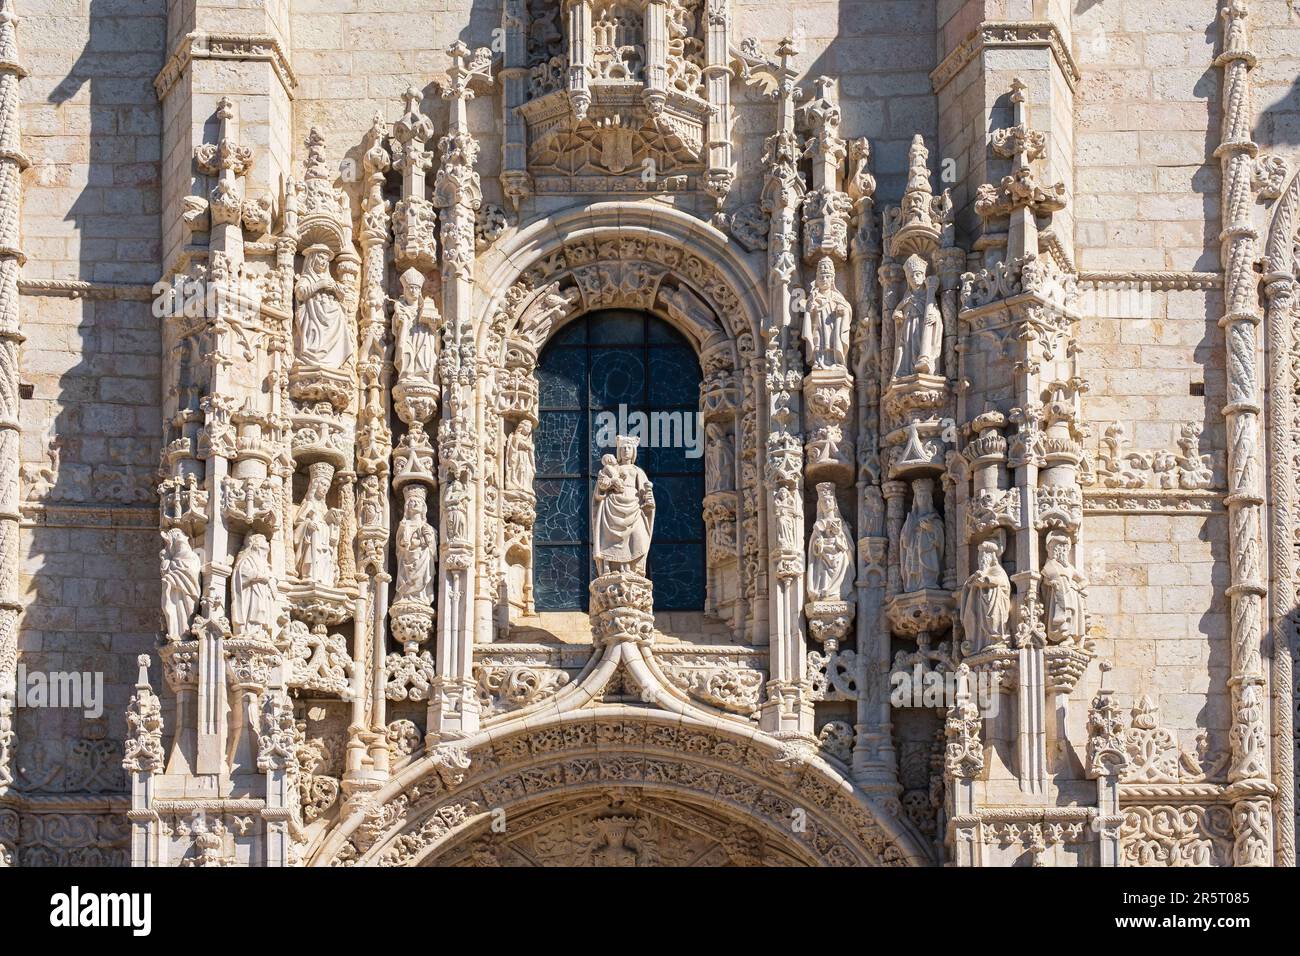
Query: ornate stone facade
x=985, y=551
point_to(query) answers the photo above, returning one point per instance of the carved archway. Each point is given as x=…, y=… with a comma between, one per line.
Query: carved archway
x=786, y=795
x=620, y=826
x=659, y=261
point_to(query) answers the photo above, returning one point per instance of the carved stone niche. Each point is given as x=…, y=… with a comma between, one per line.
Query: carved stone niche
x=251, y=497
x=320, y=593
x=626, y=112
x=828, y=399
x=183, y=503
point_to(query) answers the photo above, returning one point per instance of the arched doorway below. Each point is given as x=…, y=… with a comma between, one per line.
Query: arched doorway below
x=622, y=826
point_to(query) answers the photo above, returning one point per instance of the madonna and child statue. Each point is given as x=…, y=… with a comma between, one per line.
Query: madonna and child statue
x=623, y=508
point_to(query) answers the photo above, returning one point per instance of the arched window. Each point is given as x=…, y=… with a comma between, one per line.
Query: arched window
x=597, y=368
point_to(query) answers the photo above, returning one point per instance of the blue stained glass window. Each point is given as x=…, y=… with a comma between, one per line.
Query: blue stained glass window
x=611, y=362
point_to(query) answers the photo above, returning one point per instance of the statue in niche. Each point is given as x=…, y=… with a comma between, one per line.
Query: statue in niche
x=321, y=328
x=720, y=459
x=417, y=549
x=180, y=582
x=827, y=320
x=415, y=330
x=986, y=599
x=918, y=323
x=1063, y=592
x=787, y=518
x=316, y=530
x=372, y=502
x=252, y=588
x=921, y=545
x=456, y=504
x=830, y=552
x=624, y=511
x=521, y=465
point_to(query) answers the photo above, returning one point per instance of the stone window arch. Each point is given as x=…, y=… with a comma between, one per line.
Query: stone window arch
x=647, y=273
x=604, y=373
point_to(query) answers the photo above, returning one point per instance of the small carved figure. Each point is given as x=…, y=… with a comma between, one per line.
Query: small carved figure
x=321, y=327
x=921, y=544
x=986, y=599
x=415, y=330
x=720, y=459
x=180, y=583
x=918, y=324
x=624, y=511
x=1063, y=592
x=521, y=466
x=827, y=320
x=417, y=549
x=456, y=504
x=252, y=587
x=787, y=518
x=316, y=531
x=830, y=552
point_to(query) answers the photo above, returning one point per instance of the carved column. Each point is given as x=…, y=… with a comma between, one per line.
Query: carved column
x=465, y=608
x=12, y=163
x=874, y=762
x=142, y=759
x=1249, y=770
x=915, y=404
x=1282, y=294
x=227, y=160
x=788, y=708
x=1106, y=760
x=963, y=764
x=416, y=323
x=580, y=55
x=515, y=181
x=655, y=71
x=717, y=89
x=367, y=754
x=1024, y=507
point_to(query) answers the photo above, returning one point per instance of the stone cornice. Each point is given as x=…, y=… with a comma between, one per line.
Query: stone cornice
x=999, y=34
x=115, y=803
x=1155, y=280
x=225, y=46
x=81, y=289
x=101, y=515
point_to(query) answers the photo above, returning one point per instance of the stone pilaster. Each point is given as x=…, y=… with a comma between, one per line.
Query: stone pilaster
x=978, y=58
x=12, y=163
x=1249, y=770
x=465, y=608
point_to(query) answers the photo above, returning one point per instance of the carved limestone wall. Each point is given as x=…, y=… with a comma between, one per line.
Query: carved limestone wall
x=996, y=397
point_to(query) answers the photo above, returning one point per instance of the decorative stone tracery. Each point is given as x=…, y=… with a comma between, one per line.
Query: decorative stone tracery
x=897, y=467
